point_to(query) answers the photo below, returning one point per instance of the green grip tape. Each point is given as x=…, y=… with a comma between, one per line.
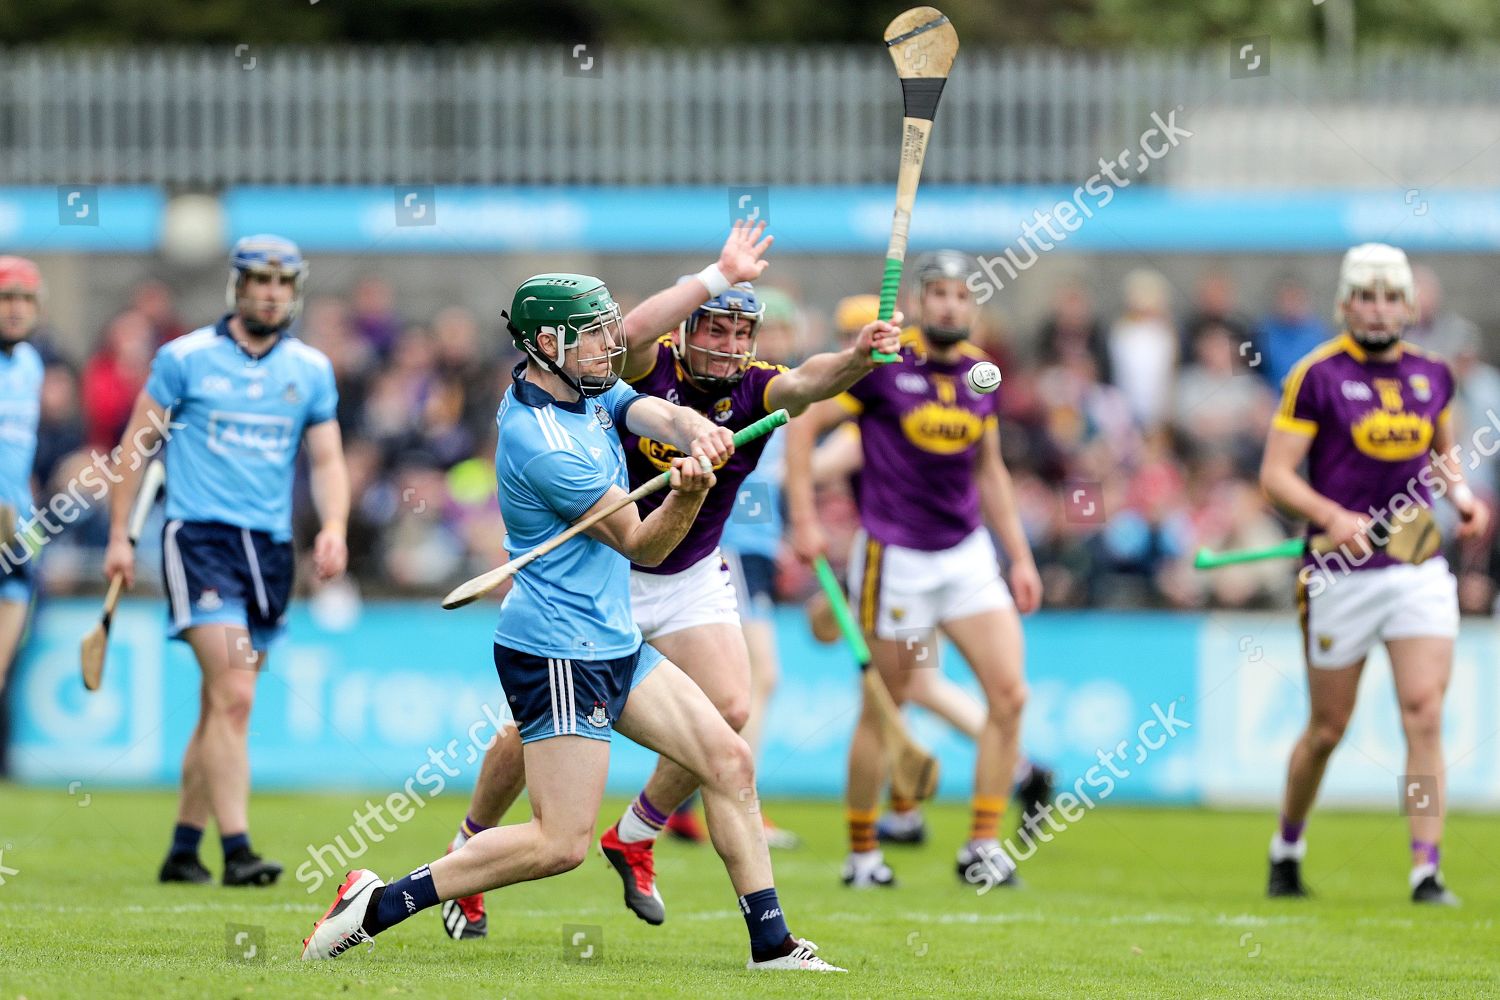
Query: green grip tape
x=890, y=284
x=746, y=434
x=1288, y=549
x=852, y=634
x=761, y=427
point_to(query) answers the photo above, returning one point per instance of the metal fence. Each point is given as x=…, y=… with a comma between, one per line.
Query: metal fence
x=255, y=113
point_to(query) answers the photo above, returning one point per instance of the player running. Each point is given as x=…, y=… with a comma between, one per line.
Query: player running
x=685, y=605
x=1366, y=411
x=241, y=394
x=838, y=459
x=569, y=656
x=923, y=559
x=20, y=410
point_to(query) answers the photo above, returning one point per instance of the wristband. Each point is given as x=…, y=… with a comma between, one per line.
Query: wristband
x=714, y=280
x=1461, y=495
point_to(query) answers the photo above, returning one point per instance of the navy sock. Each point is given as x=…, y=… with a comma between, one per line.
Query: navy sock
x=185, y=839
x=401, y=899
x=234, y=842
x=765, y=922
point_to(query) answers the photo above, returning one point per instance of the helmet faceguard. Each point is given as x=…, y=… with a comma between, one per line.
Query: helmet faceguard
x=943, y=265
x=265, y=254
x=1375, y=267
x=739, y=305
x=572, y=308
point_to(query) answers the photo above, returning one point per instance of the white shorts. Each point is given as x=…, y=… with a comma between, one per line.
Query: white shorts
x=699, y=595
x=895, y=591
x=1347, y=615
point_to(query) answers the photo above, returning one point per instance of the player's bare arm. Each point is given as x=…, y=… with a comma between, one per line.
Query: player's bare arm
x=1285, y=487
x=823, y=376
x=997, y=497
x=329, y=479
x=802, y=434
x=139, y=444
x=838, y=456
x=1473, y=513
x=739, y=260
x=647, y=542
x=684, y=428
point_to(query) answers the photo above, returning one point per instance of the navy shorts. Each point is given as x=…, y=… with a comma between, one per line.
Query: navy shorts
x=549, y=696
x=754, y=579
x=217, y=574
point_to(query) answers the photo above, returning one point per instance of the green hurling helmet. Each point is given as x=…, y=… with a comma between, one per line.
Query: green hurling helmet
x=569, y=306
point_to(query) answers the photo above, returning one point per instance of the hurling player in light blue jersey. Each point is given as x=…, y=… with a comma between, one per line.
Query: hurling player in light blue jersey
x=20, y=407
x=567, y=649
x=242, y=395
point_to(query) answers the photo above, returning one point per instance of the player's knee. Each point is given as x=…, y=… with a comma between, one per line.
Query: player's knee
x=1325, y=733
x=1422, y=717
x=736, y=712
x=232, y=704
x=1007, y=701
x=563, y=854
x=732, y=765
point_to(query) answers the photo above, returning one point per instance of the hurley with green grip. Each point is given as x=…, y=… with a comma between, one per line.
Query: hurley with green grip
x=472, y=590
x=914, y=771
x=923, y=45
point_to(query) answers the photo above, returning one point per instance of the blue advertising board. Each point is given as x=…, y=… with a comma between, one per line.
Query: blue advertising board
x=80, y=217
x=1191, y=708
x=857, y=219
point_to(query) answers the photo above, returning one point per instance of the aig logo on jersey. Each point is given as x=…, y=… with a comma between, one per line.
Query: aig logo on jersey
x=249, y=433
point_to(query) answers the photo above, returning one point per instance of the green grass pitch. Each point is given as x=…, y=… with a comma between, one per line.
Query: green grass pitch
x=1126, y=903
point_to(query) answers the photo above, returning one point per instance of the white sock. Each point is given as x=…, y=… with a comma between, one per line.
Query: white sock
x=1282, y=851
x=634, y=827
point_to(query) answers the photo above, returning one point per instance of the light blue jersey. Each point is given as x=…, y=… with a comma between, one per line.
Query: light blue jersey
x=236, y=424
x=20, y=409
x=553, y=461
x=754, y=526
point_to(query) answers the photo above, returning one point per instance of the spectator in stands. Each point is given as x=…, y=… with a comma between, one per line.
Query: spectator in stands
x=1438, y=329
x=1220, y=407
x=153, y=300
x=1290, y=331
x=1143, y=348
x=114, y=376
x=374, y=314
x=1214, y=305
x=1073, y=327
x=463, y=363
x=60, y=428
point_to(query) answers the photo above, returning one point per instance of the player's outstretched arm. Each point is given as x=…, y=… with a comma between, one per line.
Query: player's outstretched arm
x=647, y=542
x=802, y=436
x=140, y=443
x=997, y=497
x=1285, y=487
x=329, y=479
x=682, y=427
x=740, y=260
x=824, y=376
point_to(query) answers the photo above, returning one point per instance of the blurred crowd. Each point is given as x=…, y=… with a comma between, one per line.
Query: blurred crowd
x=1134, y=438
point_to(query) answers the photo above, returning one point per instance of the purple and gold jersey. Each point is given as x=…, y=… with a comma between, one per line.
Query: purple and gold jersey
x=732, y=408
x=920, y=427
x=1371, y=424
